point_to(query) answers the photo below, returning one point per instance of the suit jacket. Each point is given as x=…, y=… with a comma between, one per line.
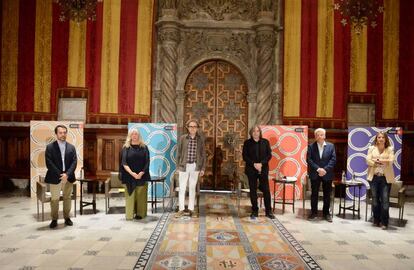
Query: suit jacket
x=182, y=152
x=249, y=154
x=327, y=161
x=388, y=155
x=54, y=163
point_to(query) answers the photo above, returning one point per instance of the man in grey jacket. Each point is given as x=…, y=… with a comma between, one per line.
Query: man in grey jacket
x=191, y=163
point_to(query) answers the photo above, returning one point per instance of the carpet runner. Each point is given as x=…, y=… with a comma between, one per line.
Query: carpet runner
x=219, y=239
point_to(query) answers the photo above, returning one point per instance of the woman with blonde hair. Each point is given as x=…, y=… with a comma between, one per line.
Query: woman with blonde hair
x=135, y=162
x=380, y=175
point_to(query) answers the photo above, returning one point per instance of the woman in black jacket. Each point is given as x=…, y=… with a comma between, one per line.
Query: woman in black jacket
x=135, y=162
x=257, y=154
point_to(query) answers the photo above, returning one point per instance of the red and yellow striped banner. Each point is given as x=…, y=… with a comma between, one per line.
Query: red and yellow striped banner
x=324, y=61
x=111, y=56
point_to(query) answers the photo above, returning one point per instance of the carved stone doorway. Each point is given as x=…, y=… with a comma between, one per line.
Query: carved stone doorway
x=216, y=96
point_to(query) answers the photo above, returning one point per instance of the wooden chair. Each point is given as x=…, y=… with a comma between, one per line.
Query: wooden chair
x=113, y=188
x=44, y=196
x=175, y=188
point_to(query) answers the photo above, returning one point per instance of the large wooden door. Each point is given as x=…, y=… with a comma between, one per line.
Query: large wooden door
x=216, y=95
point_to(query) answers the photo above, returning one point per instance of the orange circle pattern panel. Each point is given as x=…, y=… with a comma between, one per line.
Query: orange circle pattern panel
x=289, y=146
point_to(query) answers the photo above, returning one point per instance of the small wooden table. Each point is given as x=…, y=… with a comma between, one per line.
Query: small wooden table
x=284, y=182
x=83, y=203
x=154, y=200
x=353, y=207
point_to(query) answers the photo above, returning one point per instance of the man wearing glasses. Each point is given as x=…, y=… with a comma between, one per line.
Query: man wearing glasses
x=191, y=162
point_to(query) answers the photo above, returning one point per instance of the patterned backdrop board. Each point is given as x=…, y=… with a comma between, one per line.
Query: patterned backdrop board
x=289, y=147
x=41, y=134
x=161, y=140
x=359, y=140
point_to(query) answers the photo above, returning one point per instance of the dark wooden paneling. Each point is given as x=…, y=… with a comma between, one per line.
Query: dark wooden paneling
x=101, y=158
x=407, y=159
x=108, y=144
x=14, y=153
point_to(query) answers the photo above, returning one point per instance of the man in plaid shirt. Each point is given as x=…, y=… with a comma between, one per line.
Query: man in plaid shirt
x=191, y=162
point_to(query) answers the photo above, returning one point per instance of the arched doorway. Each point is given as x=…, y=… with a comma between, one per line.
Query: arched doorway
x=216, y=95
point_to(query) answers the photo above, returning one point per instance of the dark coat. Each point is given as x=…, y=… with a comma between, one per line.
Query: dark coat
x=54, y=163
x=138, y=160
x=250, y=155
x=327, y=162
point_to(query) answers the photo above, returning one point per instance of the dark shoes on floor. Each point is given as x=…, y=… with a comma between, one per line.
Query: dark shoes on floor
x=138, y=217
x=53, y=224
x=270, y=215
x=328, y=218
x=312, y=217
x=68, y=222
x=254, y=215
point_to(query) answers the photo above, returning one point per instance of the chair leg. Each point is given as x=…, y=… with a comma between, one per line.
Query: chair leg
x=106, y=205
x=37, y=209
x=303, y=206
x=75, y=206
x=198, y=204
x=43, y=212
x=238, y=205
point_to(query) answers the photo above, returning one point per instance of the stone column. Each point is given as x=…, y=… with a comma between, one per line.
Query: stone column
x=169, y=37
x=180, y=111
x=252, y=101
x=156, y=95
x=277, y=114
x=265, y=41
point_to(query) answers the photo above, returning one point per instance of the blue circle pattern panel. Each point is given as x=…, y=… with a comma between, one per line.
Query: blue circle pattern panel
x=161, y=140
x=359, y=140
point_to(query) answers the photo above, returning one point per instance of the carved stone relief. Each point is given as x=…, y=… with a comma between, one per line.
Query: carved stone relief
x=218, y=9
x=199, y=42
x=242, y=32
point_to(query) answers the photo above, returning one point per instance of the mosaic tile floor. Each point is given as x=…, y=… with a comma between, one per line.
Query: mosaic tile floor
x=219, y=239
x=110, y=242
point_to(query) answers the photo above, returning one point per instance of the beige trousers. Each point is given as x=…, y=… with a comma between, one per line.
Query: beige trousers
x=54, y=203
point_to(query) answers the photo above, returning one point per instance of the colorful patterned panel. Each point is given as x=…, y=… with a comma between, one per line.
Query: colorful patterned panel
x=161, y=140
x=41, y=134
x=289, y=147
x=359, y=140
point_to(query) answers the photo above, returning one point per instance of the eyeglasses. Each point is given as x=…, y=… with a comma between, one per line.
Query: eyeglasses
x=192, y=126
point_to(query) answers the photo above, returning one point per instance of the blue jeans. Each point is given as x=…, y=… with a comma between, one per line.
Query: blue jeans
x=380, y=190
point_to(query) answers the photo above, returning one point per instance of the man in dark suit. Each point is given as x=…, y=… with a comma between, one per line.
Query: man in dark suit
x=61, y=164
x=321, y=163
x=257, y=154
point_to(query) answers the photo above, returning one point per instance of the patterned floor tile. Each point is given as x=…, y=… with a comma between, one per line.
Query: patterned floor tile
x=360, y=256
x=214, y=246
x=222, y=237
x=285, y=262
x=401, y=256
x=163, y=262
